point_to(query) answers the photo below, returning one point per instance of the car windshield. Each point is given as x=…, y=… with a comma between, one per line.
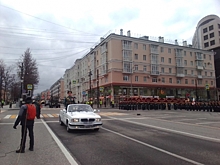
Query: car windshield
x=78, y=108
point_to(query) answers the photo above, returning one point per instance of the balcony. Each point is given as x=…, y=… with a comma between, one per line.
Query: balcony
x=179, y=54
x=155, y=72
x=199, y=76
x=180, y=75
x=180, y=65
x=154, y=51
x=127, y=47
x=199, y=67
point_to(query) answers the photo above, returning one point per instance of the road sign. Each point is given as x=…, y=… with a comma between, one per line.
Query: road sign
x=74, y=81
x=29, y=86
x=207, y=86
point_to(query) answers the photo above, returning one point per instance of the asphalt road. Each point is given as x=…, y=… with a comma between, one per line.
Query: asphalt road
x=142, y=137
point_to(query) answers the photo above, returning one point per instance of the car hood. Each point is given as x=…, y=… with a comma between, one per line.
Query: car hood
x=84, y=114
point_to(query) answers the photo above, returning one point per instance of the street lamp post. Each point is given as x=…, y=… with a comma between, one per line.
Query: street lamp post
x=90, y=85
x=97, y=88
x=196, y=90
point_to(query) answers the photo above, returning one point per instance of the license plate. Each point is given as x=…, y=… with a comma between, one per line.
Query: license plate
x=88, y=126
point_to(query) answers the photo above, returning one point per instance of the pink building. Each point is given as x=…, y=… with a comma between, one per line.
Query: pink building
x=129, y=66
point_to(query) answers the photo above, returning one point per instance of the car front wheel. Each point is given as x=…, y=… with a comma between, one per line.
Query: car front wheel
x=60, y=121
x=67, y=127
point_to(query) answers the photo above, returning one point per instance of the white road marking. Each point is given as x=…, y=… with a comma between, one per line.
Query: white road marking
x=7, y=117
x=209, y=122
x=50, y=115
x=170, y=130
x=156, y=148
x=185, y=119
x=202, y=118
x=168, y=116
x=63, y=149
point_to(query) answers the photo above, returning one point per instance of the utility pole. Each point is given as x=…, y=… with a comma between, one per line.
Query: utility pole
x=21, y=92
x=196, y=90
x=1, y=83
x=90, y=85
x=97, y=88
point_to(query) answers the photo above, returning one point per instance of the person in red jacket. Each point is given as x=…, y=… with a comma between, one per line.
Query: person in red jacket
x=25, y=125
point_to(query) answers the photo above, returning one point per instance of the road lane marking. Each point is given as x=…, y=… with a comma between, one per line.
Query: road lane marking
x=168, y=116
x=170, y=130
x=61, y=146
x=13, y=116
x=213, y=122
x=7, y=116
x=155, y=148
x=55, y=115
x=44, y=115
x=185, y=119
x=50, y=115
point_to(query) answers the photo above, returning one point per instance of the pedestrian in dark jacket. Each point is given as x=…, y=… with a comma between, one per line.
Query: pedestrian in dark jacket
x=25, y=125
x=38, y=108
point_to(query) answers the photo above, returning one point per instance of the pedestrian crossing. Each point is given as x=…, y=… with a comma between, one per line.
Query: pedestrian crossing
x=54, y=115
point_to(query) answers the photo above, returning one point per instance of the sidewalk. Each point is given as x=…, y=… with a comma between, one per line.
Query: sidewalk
x=47, y=149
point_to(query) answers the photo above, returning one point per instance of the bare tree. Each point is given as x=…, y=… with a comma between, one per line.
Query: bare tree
x=30, y=73
x=2, y=70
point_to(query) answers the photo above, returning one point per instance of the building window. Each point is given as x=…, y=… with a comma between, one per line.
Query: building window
x=136, y=78
x=199, y=73
x=211, y=83
x=162, y=59
x=136, y=56
x=145, y=68
x=136, y=67
x=184, y=53
x=205, y=37
x=144, y=46
x=206, y=44
x=169, y=60
x=135, y=45
x=205, y=30
x=211, y=27
x=144, y=57
x=211, y=74
x=154, y=79
x=210, y=57
x=170, y=80
x=145, y=79
x=192, y=72
x=162, y=70
x=191, y=62
x=212, y=42
x=192, y=81
x=190, y=54
x=205, y=73
x=185, y=62
x=205, y=64
x=178, y=81
x=126, y=78
x=163, y=80
x=170, y=70
x=204, y=56
x=186, y=81
x=199, y=82
x=211, y=35
x=161, y=49
x=169, y=50
x=185, y=71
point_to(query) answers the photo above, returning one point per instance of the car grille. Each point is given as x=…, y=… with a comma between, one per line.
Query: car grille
x=87, y=120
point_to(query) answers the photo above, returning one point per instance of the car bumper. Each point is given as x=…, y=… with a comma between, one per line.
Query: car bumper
x=85, y=126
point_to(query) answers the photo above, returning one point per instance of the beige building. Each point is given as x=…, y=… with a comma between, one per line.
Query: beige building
x=57, y=90
x=207, y=37
x=122, y=66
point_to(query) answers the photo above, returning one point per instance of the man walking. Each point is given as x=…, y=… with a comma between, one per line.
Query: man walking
x=26, y=118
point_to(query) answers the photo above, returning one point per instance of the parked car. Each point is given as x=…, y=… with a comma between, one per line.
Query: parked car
x=80, y=116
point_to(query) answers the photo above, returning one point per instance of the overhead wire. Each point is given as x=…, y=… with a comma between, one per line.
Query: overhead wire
x=45, y=20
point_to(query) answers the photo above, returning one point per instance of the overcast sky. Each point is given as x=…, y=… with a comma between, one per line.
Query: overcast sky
x=59, y=32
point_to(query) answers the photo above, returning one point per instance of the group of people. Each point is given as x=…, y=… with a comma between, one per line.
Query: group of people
x=182, y=104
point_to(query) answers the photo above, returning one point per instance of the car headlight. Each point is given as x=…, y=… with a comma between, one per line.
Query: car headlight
x=98, y=119
x=75, y=120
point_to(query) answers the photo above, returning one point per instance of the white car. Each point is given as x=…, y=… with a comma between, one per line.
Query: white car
x=80, y=116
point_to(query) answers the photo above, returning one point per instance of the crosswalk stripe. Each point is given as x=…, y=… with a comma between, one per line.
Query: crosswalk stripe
x=55, y=115
x=13, y=116
x=50, y=115
x=7, y=117
x=44, y=115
